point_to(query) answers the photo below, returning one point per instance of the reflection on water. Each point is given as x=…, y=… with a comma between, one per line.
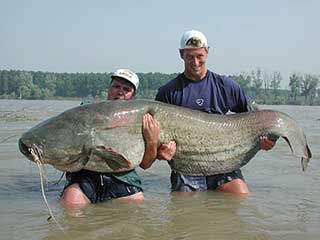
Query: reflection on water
x=284, y=201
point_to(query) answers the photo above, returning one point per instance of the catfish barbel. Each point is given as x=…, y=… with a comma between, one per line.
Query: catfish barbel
x=107, y=137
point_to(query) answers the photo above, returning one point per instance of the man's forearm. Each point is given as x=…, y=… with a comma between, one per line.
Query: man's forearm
x=149, y=156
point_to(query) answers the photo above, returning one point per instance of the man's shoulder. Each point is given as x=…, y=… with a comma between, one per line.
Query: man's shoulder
x=222, y=79
x=165, y=92
x=170, y=84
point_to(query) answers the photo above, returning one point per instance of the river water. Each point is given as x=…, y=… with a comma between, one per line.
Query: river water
x=284, y=202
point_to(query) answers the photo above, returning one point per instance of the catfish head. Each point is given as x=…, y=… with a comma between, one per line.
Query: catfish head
x=59, y=142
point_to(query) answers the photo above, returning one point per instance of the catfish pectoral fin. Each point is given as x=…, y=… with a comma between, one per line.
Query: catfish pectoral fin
x=104, y=158
x=305, y=160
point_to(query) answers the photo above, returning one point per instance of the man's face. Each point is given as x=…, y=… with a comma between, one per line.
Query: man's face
x=120, y=89
x=194, y=62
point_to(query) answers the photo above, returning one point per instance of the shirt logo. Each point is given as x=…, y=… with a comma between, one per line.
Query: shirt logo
x=200, y=101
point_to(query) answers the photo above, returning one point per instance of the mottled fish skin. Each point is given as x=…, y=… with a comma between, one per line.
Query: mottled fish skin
x=107, y=137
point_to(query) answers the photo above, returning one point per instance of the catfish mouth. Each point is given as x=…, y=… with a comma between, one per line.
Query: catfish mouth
x=32, y=152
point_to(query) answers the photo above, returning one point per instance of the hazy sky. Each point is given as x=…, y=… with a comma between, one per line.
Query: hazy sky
x=144, y=35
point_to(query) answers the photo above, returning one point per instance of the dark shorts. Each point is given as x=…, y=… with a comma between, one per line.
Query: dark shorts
x=100, y=187
x=183, y=183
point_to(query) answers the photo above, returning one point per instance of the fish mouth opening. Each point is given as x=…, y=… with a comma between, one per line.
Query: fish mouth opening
x=32, y=152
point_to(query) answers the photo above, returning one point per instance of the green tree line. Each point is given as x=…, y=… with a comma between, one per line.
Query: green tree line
x=261, y=86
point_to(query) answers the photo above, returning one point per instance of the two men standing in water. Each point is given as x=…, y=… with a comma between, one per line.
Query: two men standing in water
x=196, y=88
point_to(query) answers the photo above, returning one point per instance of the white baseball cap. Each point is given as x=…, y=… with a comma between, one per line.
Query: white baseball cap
x=127, y=75
x=193, y=39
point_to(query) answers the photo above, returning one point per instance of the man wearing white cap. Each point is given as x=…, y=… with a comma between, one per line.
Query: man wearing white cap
x=85, y=186
x=201, y=89
x=124, y=84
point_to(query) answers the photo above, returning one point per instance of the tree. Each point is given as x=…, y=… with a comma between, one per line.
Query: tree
x=35, y=92
x=266, y=83
x=318, y=96
x=4, y=82
x=295, y=86
x=65, y=86
x=243, y=79
x=275, y=83
x=24, y=82
x=257, y=81
x=309, y=87
x=50, y=83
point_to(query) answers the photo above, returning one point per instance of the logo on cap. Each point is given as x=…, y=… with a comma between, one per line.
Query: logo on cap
x=126, y=73
x=195, y=42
